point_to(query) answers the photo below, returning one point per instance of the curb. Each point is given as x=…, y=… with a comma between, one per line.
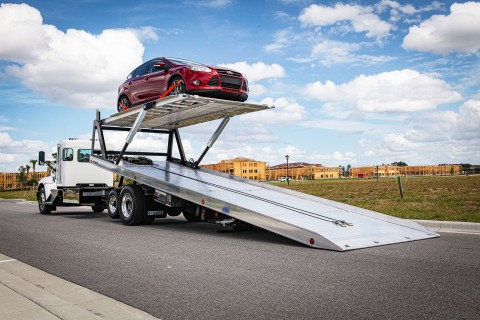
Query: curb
x=451, y=226
x=30, y=293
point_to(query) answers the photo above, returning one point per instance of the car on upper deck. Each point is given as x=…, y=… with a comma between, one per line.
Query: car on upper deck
x=151, y=79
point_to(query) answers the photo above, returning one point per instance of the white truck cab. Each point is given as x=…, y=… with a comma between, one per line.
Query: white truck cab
x=73, y=171
x=73, y=166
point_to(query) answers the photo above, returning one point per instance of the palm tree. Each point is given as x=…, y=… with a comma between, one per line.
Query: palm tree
x=21, y=177
x=34, y=163
x=49, y=166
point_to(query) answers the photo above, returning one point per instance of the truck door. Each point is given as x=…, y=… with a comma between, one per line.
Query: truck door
x=58, y=166
x=66, y=158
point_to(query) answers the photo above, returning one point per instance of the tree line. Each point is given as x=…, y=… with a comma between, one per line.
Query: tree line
x=24, y=172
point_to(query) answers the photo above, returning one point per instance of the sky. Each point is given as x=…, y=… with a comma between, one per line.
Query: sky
x=352, y=82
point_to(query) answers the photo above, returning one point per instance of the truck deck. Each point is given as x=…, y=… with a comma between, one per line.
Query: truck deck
x=313, y=221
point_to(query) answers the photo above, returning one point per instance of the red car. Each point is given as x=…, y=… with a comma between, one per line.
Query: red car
x=154, y=77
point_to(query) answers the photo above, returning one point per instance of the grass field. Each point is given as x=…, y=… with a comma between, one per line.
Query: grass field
x=455, y=198
x=448, y=198
x=27, y=195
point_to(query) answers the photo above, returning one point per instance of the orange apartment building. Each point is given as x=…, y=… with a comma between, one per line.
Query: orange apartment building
x=393, y=171
x=241, y=167
x=10, y=180
x=302, y=171
x=258, y=170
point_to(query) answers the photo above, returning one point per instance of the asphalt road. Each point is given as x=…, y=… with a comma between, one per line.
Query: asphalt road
x=178, y=270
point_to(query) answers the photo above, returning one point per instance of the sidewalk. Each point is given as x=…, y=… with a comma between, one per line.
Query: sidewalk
x=451, y=226
x=29, y=293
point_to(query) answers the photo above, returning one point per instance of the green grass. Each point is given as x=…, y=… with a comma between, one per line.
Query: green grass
x=26, y=194
x=29, y=195
x=452, y=198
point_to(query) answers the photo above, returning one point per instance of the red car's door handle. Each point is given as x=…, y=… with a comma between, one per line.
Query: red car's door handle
x=129, y=82
x=146, y=78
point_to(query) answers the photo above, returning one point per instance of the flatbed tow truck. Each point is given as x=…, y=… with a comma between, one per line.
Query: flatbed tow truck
x=178, y=185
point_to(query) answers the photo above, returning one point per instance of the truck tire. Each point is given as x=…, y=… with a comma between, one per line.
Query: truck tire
x=42, y=206
x=97, y=208
x=189, y=212
x=112, y=205
x=132, y=205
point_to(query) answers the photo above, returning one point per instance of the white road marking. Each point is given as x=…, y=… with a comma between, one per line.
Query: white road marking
x=11, y=260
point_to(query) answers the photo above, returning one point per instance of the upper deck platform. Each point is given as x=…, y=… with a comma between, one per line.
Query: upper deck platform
x=183, y=110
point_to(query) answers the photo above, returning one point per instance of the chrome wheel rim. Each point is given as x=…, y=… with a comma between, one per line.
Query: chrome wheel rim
x=112, y=204
x=127, y=205
x=41, y=201
x=179, y=89
x=123, y=101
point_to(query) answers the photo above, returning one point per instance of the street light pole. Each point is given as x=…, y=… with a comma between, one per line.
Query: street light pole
x=288, y=179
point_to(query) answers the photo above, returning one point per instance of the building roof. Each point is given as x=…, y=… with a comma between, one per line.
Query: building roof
x=240, y=159
x=295, y=165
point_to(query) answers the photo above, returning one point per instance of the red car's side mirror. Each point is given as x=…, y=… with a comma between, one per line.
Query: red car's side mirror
x=159, y=66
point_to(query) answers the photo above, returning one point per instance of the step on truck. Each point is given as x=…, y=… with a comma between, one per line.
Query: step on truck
x=177, y=185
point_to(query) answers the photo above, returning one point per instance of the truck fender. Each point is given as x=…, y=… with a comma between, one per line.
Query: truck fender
x=47, y=184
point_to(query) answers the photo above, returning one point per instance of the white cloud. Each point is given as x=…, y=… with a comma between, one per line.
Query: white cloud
x=286, y=111
x=75, y=67
x=21, y=31
x=257, y=89
x=361, y=18
x=457, y=32
x=258, y=70
x=14, y=153
x=149, y=33
x=213, y=3
x=330, y=52
x=396, y=91
x=434, y=137
x=344, y=126
x=281, y=39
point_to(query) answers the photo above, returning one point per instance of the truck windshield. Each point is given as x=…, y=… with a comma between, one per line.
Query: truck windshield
x=83, y=155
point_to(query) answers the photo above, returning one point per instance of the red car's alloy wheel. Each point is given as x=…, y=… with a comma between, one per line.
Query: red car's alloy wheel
x=180, y=88
x=123, y=104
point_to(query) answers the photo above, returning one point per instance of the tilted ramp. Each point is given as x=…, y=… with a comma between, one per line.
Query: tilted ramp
x=314, y=221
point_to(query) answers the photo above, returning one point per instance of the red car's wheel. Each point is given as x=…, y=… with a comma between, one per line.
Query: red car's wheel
x=123, y=103
x=180, y=88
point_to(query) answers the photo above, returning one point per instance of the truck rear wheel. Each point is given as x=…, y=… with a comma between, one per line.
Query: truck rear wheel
x=112, y=205
x=132, y=205
x=42, y=206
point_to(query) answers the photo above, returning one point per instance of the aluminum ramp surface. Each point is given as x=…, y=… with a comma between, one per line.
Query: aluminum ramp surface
x=314, y=221
x=182, y=110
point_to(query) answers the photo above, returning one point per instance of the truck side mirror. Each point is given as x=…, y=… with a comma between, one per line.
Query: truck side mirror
x=41, y=158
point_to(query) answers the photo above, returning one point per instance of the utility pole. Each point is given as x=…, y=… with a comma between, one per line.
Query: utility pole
x=288, y=178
